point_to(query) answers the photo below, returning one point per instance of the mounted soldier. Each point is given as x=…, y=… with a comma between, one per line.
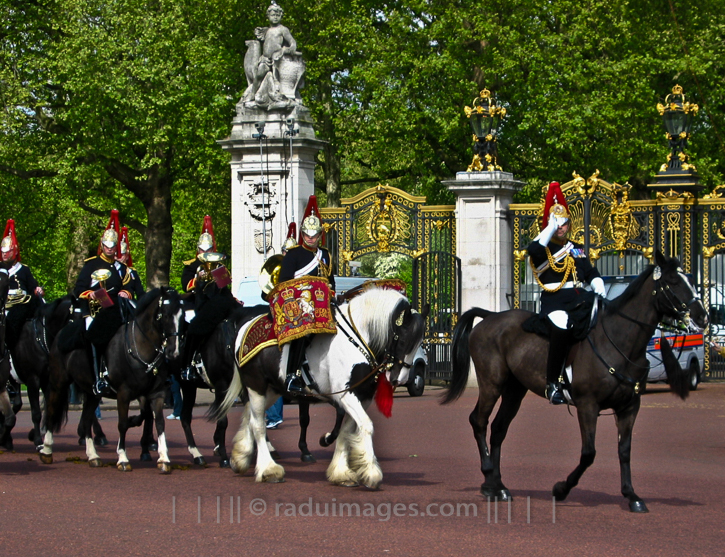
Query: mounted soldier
x=100, y=284
x=24, y=293
x=559, y=265
x=209, y=280
x=308, y=259
x=135, y=286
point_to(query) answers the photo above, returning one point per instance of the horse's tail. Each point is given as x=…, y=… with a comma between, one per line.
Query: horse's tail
x=56, y=403
x=678, y=379
x=460, y=354
x=217, y=412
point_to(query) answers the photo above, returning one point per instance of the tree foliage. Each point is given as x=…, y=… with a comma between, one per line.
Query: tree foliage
x=119, y=104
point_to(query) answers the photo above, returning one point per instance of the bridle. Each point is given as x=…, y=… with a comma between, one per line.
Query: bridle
x=676, y=306
x=132, y=346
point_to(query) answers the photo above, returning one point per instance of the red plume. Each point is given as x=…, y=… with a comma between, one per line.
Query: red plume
x=10, y=231
x=124, y=238
x=113, y=223
x=291, y=231
x=554, y=196
x=208, y=227
x=384, y=396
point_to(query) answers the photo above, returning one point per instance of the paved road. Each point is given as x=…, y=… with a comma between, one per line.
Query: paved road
x=429, y=459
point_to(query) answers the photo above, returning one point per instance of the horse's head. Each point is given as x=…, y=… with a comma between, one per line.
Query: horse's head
x=170, y=315
x=675, y=296
x=408, y=327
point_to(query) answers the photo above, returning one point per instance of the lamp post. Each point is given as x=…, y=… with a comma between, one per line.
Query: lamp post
x=260, y=135
x=291, y=132
x=677, y=173
x=484, y=118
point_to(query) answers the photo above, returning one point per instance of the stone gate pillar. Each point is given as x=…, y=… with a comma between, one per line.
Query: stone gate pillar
x=270, y=187
x=484, y=237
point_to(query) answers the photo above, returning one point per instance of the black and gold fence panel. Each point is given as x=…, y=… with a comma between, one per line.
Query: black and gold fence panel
x=388, y=220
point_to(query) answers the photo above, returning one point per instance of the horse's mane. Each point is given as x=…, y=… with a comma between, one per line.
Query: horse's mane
x=147, y=298
x=634, y=287
x=372, y=311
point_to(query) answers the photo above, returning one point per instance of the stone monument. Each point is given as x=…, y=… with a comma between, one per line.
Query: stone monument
x=273, y=148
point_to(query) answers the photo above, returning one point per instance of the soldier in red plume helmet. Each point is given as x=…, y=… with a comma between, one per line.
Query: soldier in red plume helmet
x=308, y=258
x=211, y=304
x=103, y=322
x=559, y=265
x=24, y=293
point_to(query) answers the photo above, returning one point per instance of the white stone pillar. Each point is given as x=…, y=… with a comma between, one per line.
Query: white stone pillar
x=484, y=239
x=288, y=183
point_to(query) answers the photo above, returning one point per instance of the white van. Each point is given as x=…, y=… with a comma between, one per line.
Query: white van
x=250, y=294
x=690, y=348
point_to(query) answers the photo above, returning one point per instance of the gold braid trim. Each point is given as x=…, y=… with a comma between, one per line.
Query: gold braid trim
x=567, y=267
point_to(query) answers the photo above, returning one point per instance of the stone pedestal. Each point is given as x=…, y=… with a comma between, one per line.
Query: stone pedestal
x=484, y=239
x=270, y=188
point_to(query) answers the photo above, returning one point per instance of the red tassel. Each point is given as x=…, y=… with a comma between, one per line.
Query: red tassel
x=384, y=396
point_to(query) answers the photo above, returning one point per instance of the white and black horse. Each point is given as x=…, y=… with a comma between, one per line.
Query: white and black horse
x=378, y=335
x=137, y=358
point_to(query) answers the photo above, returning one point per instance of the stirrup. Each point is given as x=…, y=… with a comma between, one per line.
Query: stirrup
x=101, y=388
x=553, y=393
x=189, y=374
x=294, y=384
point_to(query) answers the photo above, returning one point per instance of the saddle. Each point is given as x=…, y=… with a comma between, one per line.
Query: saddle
x=582, y=318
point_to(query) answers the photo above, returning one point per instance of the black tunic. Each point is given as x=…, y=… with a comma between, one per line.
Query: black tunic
x=585, y=272
x=188, y=275
x=299, y=257
x=21, y=279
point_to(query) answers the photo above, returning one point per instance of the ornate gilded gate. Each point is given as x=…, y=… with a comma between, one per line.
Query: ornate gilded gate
x=621, y=236
x=388, y=220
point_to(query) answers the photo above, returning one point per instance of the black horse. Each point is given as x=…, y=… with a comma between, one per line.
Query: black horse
x=31, y=354
x=7, y=411
x=137, y=369
x=215, y=370
x=609, y=370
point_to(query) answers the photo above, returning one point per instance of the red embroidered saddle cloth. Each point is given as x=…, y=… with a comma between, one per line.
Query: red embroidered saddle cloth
x=301, y=307
x=259, y=336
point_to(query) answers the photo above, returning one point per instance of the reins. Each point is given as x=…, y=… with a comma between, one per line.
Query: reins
x=152, y=365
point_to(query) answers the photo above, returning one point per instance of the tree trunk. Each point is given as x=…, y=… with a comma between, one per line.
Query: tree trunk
x=158, y=231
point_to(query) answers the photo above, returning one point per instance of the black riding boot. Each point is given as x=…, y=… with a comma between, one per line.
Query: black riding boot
x=191, y=346
x=558, y=351
x=101, y=388
x=294, y=383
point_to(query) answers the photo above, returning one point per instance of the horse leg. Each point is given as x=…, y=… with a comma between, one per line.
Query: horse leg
x=330, y=437
x=339, y=472
x=220, y=433
x=85, y=428
x=6, y=440
x=99, y=438
x=147, y=433
x=361, y=456
x=625, y=422
x=587, y=413
x=304, y=409
x=163, y=463
x=189, y=399
x=122, y=402
x=34, y=435
x=512, y=395
x=243, y=444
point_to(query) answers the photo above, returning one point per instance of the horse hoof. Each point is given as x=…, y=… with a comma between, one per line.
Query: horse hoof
x=324, y=442
x=95, y=463
x=8, y=445
x=31, y=435
x=46, y=458
x=225, y=463
x=38, y=448
x=348, y=483
x=560, y=491
x=638, y=506
x=145, y=457
x=164, y=467
x=307, y=458
x=273, y=479
x=124, y=467
x=200, y=461
x=100, y=440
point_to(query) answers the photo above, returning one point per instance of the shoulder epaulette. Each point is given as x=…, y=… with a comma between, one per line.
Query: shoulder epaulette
x=94, y=257
x=190, y=261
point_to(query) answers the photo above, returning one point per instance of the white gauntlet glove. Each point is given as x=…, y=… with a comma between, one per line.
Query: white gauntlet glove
x=545, y=236
x=597, y=285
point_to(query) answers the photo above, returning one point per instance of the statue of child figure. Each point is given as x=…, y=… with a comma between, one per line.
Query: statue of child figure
x=262, y=67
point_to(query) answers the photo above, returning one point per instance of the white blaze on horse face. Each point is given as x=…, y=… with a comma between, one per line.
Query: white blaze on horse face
x=695, y=295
